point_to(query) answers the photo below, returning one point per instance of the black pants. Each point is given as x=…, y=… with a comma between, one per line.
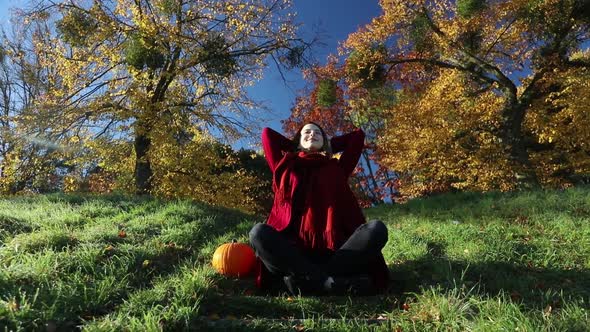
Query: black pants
x=282, y=257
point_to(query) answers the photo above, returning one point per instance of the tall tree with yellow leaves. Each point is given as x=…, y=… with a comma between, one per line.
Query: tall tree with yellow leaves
x=142, y=66
x=491, y=94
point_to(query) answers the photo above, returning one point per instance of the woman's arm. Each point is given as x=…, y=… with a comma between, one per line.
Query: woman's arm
x=274, y=144
x=351, y=145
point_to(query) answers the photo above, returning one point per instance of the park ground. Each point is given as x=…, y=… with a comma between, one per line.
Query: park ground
x=459, y=262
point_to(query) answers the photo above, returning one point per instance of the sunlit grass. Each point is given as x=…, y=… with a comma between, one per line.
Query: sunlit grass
x=459, y=262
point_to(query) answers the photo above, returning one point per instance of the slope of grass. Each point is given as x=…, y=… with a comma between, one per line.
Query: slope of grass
x=459, y=262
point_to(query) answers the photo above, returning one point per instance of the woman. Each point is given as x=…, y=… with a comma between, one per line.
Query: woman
x=316, y=236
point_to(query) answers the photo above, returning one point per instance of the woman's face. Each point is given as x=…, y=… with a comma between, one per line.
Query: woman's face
x=311, y=138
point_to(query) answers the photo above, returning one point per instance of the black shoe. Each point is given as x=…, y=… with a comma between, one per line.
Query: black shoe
x=303, y=285
x=354, y=285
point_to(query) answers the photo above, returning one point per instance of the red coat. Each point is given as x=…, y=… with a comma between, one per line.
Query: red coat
x=323, y=214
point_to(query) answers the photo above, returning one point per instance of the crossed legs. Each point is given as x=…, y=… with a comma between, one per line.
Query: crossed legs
x=283, y=258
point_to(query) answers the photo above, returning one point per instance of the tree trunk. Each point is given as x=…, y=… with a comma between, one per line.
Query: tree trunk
x=514, y=141
x=392, y=193
x=143, y=169
x=374, y=195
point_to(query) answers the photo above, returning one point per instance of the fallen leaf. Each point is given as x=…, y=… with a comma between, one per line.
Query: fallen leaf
x=540, y=285
x=515, y=296
x=146, y=263
x=122, y=234
x=299, y=327
x=13, y=305
x=547, y=310
x=405, y=306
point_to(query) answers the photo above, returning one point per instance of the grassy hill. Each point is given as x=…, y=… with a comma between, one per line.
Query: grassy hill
x=481, y=262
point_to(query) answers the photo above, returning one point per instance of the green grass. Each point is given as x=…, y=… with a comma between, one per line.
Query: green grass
x=459, y=262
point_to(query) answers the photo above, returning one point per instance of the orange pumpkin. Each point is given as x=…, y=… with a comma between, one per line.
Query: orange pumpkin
x=234, y=259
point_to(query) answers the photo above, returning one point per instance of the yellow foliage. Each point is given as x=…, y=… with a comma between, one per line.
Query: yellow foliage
x=201, y=169
x=71, y=184
x=493, y=99
x=9, y=177
x=562, y=121
x=443, y=138
x=145, y=65
x=115, y=165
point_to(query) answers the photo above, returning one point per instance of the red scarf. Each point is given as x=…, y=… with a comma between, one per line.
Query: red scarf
x=298, y=169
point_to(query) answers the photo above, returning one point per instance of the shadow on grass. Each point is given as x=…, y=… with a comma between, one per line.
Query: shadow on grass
x=212, y=222
x=240, y=299
x=533, y=287
x=10, y=226
x=126, y=255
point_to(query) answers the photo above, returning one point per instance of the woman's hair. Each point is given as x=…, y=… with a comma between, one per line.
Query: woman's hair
x=326, y=148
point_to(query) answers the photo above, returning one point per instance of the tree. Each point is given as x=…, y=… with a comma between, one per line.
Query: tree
x=6, y=117
x=28, y=161
x=144, y=66
x=489, y=94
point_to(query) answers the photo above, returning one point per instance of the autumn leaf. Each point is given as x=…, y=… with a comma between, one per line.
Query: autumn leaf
x=213, y=316
x=547, y=311
x=299, y=327
x=540, y=285
x=13, y=305
x=515, y=296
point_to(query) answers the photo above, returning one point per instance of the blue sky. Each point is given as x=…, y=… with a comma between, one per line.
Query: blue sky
x=335, y=19
x=5, y=5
